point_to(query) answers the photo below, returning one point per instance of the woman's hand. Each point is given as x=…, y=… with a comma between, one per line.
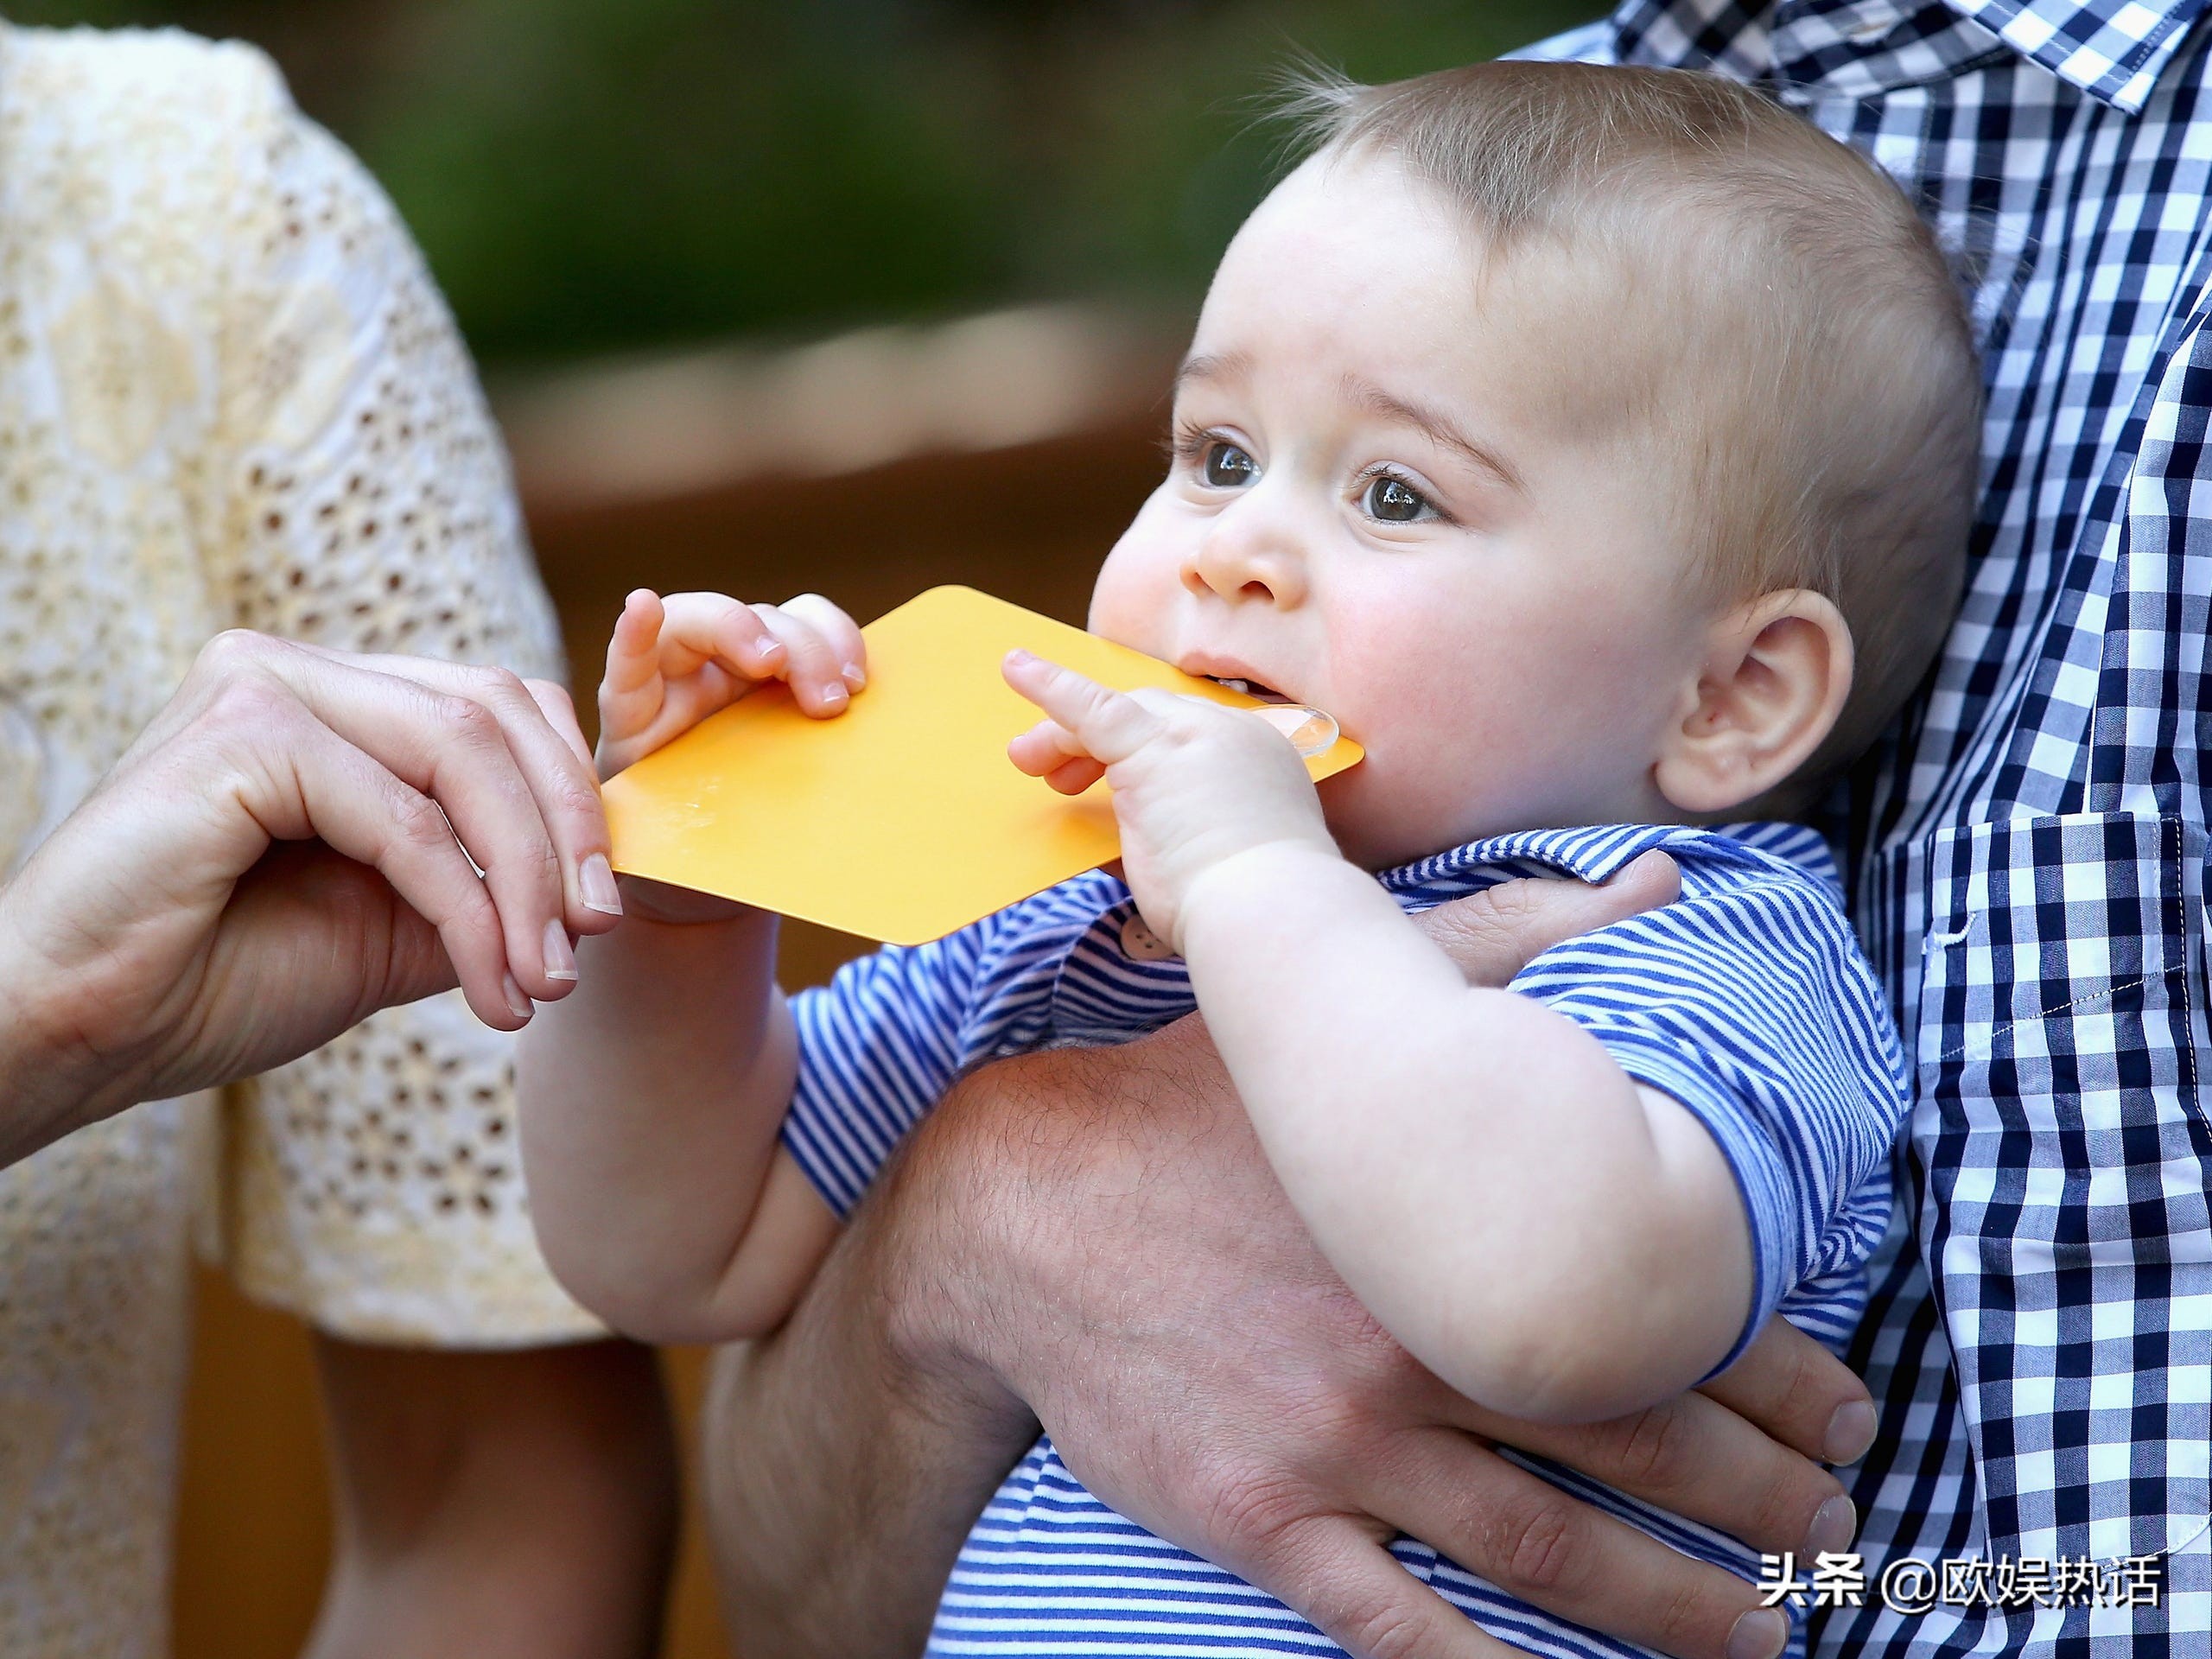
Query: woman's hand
x=674, y=661
x=292, y=843
x=1195, y=783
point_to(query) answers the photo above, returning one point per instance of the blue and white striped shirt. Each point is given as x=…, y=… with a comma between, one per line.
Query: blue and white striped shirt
x=1746, y=1000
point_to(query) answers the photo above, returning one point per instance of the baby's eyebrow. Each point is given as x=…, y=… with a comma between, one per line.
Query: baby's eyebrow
x=1433, y=424
x=1225, y=365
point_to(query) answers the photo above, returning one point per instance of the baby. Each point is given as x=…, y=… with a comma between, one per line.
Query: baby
x=1597, y=446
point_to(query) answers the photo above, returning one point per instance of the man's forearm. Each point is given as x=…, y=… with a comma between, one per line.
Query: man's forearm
x=1095, y=1232
x=848, y=1454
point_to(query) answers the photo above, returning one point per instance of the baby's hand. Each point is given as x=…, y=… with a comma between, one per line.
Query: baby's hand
x=673, y=662
x=1194, y=783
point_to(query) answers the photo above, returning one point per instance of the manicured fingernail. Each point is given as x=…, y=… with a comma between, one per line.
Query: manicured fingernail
x=1834, y=1524
x=518, y=1005
x=1759, y=1633
x=768, y=647
x=855, y=676
x=834, y=696
x=560, y=956
x=1018, y=659
x=1851, y=1431
x=596, y=879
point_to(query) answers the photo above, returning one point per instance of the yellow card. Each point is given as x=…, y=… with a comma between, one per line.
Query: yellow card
x=901, y=819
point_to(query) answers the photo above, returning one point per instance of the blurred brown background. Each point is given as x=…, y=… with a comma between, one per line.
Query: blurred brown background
x=851, y=296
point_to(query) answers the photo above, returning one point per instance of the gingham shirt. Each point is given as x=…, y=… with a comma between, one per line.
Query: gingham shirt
x=2030, y=877
x=1747, y=1000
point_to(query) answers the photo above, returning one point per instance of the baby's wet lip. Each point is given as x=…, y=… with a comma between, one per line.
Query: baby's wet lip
x=1251, y=688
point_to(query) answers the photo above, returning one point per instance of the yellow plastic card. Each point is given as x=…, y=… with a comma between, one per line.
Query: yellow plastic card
x=901, y=819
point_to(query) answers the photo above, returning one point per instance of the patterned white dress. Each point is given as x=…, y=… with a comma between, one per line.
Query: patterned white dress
x=229, y=394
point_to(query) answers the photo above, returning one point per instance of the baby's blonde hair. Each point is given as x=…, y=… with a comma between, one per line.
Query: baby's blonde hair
x=1794, y=337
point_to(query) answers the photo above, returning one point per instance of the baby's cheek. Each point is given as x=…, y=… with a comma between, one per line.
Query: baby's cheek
x=1132, y=599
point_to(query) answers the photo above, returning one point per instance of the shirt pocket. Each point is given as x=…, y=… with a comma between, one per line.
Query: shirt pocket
x=2060, y=1154
x=2061, y=958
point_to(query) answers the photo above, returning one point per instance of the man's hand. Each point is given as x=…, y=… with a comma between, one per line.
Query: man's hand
x=292, y=843
x=1094, y=1233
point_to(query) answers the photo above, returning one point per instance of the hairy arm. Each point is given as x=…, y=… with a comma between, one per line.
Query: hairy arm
x=1092, y=1239
x=844, y=1462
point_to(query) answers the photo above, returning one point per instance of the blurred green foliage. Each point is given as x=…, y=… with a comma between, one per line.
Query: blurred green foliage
x=595, y=175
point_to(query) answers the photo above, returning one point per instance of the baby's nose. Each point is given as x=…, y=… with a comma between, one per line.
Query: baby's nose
x=1256, y=561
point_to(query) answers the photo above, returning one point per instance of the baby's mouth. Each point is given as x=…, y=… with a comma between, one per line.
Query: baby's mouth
x=1251, y=689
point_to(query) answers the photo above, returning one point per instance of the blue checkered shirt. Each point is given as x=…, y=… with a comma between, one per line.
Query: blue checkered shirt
x=2030, y=848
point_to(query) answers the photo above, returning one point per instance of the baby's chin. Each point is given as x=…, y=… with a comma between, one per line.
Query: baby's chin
x=1375, y=832
x=1379, y=824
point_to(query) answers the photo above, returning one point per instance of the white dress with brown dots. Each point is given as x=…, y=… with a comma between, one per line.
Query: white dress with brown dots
x=229, y=394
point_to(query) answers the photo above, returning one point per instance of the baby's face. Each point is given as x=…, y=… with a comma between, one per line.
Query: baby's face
x=1395, y=496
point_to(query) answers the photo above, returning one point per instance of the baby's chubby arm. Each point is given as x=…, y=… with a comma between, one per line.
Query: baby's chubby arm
x=651, y=1096
x=1554, y=1241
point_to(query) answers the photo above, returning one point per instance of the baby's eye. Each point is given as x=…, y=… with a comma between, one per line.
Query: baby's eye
x=1228, y=468
x=1394, y=501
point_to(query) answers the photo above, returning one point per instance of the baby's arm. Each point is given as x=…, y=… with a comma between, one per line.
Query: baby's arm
x=1552, y=1240
x=653, y=1095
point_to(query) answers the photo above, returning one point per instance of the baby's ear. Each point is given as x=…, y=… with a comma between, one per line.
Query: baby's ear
x=1776, y=674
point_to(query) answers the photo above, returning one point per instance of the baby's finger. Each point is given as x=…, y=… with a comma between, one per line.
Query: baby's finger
x=1073, y=777
x=1109, y=725
x=1049, y=751
x=704, y=628
x=812, y=666
x=839, y=631
x=1044, y=748
x=630, y=691
x=633, y=651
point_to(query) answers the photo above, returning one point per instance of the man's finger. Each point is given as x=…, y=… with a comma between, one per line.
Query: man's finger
x=1359, y=1596
x=1548, y=1547
x=1799, y=1394
x=1110, y=726
x=1494, y=934
x=1695, y=1458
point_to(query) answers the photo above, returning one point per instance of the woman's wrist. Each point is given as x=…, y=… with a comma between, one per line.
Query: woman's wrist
x=47, y=1085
